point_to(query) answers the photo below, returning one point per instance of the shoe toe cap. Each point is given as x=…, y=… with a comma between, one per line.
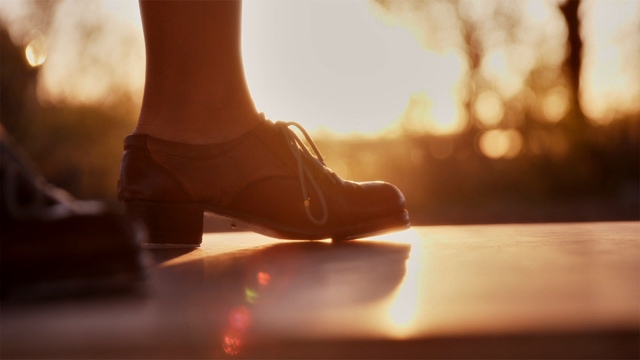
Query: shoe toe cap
x=386, y=196
x=374, y=199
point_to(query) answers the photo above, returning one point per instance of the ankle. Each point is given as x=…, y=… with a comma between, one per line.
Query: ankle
x=197, y=130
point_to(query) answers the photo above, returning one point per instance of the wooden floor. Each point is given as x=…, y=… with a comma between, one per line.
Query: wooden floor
x=486, y=291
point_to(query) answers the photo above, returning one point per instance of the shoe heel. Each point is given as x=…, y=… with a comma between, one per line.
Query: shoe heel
x=168, y=224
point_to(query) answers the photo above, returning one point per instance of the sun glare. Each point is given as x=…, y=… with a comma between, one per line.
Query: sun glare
x=407, y=300
x=611, y=65
x=333, y=65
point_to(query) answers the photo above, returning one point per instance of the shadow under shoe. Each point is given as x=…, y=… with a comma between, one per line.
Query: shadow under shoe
x=55, y=245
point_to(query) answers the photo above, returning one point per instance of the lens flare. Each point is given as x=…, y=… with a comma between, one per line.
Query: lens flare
x=240, y=318
x=250, y=295
x=231, y=345
x=263, y=278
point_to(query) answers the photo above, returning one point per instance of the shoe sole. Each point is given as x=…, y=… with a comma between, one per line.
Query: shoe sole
x=158, y=246
x=391, y=223
x=179, y=225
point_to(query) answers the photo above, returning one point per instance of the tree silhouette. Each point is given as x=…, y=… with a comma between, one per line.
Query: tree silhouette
x=573, y=63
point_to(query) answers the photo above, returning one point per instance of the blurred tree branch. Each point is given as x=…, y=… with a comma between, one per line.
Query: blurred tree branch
x=573, y=63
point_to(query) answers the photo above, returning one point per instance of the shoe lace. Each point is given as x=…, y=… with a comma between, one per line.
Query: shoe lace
x=301, y=151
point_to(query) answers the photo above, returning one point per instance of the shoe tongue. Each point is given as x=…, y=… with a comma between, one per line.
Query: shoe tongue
x=274, y=138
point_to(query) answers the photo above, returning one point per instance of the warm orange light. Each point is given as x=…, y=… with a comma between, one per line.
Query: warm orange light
x=497, y=143
x=488, y=108
x=439, y=114
x=555, y=104
x=373, y=64
x=406, y=301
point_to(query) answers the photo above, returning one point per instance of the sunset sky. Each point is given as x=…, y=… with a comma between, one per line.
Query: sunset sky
x=350, y=66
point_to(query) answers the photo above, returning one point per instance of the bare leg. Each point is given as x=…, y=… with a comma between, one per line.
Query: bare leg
x=195, y=90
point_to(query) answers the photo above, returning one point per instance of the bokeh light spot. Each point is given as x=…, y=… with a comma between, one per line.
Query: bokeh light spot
x=36, y=50
x=555, y=104
x=488, y=108
x=497, y=143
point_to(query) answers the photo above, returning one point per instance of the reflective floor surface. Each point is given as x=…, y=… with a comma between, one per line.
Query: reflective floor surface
x=482, y=291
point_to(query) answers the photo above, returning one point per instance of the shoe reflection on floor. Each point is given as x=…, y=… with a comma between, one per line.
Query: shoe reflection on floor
x=285, y=287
